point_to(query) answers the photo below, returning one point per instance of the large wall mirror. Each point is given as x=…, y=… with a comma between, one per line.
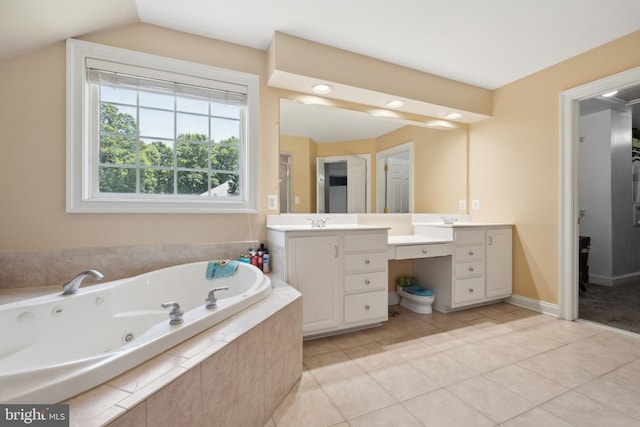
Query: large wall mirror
x=337, y=160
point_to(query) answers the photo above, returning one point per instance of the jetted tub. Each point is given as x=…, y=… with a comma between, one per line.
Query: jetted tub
x=54, y=347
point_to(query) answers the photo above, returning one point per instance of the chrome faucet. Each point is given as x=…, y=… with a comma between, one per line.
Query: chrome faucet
x=72, y=286
x=212, y=301
x=318, y=222
x=449, y=219
x=175, y=316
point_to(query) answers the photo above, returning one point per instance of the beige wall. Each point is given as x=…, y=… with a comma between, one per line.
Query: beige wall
x=514, y=160
x=513, y=157
x=32, y=152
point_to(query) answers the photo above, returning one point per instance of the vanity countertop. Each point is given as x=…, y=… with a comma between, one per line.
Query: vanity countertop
x=463, y=224
x=416, y=239
x=327, y=228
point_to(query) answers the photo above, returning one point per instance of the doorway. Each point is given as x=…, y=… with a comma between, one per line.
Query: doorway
x=569, y=190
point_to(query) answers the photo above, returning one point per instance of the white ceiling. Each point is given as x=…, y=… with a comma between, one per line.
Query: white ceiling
x=485, y=43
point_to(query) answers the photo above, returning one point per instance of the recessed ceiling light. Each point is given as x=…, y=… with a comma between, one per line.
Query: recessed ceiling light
x=609, y=94
x=396, y=103
x=322, y=88
x=453, y=116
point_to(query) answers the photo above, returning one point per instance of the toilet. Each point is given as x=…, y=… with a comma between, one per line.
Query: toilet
x=413, y=297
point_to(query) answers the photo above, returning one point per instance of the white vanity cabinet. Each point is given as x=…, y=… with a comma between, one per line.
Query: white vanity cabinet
x=479, y=271
x=342, y=275
x=499, y=262
x=313, y=268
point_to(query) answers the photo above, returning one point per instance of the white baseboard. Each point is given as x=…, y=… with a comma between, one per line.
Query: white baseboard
x=534, y=304
x=622, y=279
x=394, y=298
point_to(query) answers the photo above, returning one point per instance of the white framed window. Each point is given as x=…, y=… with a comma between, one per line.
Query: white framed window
x=152, y=134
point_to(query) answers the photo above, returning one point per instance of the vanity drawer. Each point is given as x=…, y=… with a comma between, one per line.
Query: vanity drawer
x=469, y=236
x=468, y=290
x=469, y=253
x=365, y=262
x=422, y=251
x=469, y=269
x=366, y=306
x=366, y=241
x=365, y=282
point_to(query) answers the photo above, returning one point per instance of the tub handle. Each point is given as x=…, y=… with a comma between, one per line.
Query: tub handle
x=175, y=316
x=212, y=301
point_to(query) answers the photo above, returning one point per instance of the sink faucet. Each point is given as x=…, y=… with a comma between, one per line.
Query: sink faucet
x=449, y=219
x=318, y=222
x=72, y=286
x=212, y=301
x=175, y=316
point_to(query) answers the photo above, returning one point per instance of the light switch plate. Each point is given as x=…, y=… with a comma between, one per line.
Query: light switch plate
x=475, y=205
x=463, y=205
x=272, y=202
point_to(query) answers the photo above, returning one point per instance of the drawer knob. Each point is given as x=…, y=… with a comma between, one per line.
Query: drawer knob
x=366, y=307
x=424, y=251
x=471, y=290
x=366, y=261
x=471, y=269
x=471, y=253
x=367, y=281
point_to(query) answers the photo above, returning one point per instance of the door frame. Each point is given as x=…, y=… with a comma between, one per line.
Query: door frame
x=569, y=208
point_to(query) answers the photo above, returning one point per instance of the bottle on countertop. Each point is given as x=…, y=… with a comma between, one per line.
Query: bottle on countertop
x=266, y=261
x=260, y=254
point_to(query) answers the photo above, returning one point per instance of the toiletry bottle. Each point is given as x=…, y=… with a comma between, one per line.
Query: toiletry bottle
x=266, y=261
x=253, y=256
x=260, y=256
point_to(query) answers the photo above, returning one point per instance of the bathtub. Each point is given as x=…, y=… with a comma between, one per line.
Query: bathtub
x=54, y=347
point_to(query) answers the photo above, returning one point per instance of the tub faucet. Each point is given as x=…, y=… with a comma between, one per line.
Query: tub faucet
x=72, y=286
x=175, y=316
x=212, y=301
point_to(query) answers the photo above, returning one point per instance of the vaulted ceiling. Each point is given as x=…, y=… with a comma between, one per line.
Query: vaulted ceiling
x=484, y=43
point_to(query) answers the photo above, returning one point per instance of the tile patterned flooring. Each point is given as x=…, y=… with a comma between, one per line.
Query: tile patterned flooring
x=487, y=366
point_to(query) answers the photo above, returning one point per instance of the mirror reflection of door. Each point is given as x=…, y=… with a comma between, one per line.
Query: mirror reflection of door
x=341, y=184
x=285, y=182
x=397, y=185
x=393, y=181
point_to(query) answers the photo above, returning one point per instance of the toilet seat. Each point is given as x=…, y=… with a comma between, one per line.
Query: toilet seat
x=420, y=304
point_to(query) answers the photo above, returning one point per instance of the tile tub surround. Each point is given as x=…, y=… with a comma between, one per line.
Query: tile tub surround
x=25, y=269
x=256, y=353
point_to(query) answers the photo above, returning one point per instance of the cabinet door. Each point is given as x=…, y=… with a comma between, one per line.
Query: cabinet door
x=314, y=270
x=499, y=262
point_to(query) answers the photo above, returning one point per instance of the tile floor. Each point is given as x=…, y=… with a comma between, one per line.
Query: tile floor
x=493, y=365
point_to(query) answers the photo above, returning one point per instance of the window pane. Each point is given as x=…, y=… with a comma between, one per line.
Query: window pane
x=188, y=124
x=193, y=155
x=117, y=119
x=191, y=182
x=192, y=105
x=224, y=129
x=156, y=100
x=118, y=150
x=156, y=181
x=156, y=153
x=225, y=110
x=117, y=95
x=117, y=180
x=155, y=123
x=224, y=158
x=224, y=185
